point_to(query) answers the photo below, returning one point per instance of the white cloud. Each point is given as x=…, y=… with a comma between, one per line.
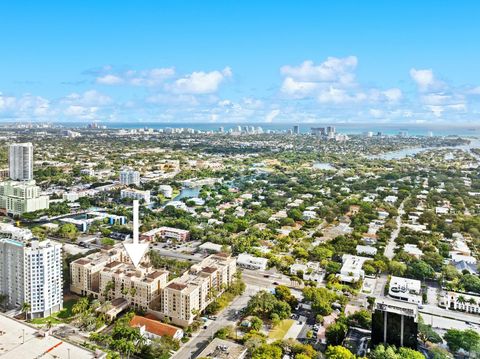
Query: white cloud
x=272, y=115
x=425, y=80
x=200, y=83
x=297, y=89
x=148, y=78
x=25, y=106
x=393, y=94
x=88, y=98
x=333, y=69
x=109, y=80
x=81, y=112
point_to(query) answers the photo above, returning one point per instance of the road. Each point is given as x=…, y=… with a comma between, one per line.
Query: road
x=225, y=318
x=255, y=281
x=391, y=245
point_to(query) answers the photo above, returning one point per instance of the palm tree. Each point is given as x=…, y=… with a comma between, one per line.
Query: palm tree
x=26, y=307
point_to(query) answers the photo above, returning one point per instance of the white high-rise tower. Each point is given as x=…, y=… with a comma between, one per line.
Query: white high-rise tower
x=20, y=160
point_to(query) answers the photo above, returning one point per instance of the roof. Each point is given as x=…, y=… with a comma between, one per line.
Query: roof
x=154, y=326
x=176, y=286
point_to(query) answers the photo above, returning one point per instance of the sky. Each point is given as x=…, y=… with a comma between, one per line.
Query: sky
x=240, y=61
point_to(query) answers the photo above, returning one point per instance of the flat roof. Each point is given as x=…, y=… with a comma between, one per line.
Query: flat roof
x=34, y=347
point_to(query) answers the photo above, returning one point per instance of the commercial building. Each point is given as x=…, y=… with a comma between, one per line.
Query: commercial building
x=223, y=349
x=197, y=288
x=405, y=289
x=461, y=301
x=395, y=323
x=166, y=232
x=351, y=270
x=18, y=197
x=135, y=194
x=129, y=176
x=248, y=261
x=20, y=341
x=20, y=161
x=30, y=272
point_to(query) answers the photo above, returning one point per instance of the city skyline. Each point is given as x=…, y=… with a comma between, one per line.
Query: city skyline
x=240, y=63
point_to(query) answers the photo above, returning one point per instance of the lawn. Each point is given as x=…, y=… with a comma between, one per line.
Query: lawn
x=280, y=330
x=56, y=318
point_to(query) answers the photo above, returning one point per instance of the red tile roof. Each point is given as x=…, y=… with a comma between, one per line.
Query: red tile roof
x=154, y=326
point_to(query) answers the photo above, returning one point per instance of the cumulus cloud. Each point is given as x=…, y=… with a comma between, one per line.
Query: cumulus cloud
x=426, y=80
x=333, y=69
x=200, y=82
x=26, y=106
x=88, y=98
x=148, y=78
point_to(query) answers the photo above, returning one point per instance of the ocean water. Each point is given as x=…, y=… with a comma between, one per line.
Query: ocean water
x=387, y=129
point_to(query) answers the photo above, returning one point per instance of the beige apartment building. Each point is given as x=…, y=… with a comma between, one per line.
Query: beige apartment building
x=109, y=275
x=185, y=297
x=85, y=272
x=139, y=286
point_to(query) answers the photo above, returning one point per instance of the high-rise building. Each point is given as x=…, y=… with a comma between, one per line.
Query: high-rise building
x=395, y=323
x=296, y=130
x=128, y=176
x=20, y=160
x=330, y=129
x=30, y=271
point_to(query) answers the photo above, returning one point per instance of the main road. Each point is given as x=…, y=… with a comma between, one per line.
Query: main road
x=225, y=318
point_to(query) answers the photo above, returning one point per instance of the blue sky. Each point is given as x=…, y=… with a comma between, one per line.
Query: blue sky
x=240, y=61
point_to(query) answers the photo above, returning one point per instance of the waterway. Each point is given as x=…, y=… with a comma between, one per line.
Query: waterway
x=411, y=152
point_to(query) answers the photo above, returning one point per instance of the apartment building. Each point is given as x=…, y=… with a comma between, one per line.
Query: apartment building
x=18, y=197
x=129, y=176
x=166, y=232
x=135, y=194
x=188, y=295
x=20, y=160
x=139, y=286
x=85, y=272
x=30, y=272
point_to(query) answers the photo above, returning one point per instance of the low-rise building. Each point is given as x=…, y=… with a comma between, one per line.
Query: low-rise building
x=223, y=349
x=166, y=232
x=248, y=261
x=368, y=250
x=351, y=270
x=413, y=250
x=153, y=329
x=405, y=289
x=135, y=194
x=461, y=301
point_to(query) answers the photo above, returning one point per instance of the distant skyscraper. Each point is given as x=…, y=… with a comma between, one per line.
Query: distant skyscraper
x=296, y=130
x=331, y=129
x=20, y=160
x=221, y=129
x=430, y=134
x=395, y=323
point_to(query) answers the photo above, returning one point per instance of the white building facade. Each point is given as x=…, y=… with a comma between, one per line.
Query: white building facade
x=30, y=272
x=129, y=176
x=20, y=160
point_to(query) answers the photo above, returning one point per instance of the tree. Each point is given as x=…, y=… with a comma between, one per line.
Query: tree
x=256, y=323
x=427, y=334
x=468, y=339
x=335, y=333
x=338, y=352
x=267, y=351
x=360, y=319
x=420, y=270
x=26, y=307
